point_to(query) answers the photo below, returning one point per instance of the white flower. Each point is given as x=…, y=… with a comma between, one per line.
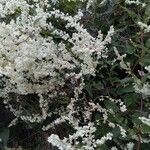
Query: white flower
x=145, y=120
x=123, y=131
x=114, y=148
x=104, y=139
x=144, y=26
x=148, y=68
x=145, y=89
x=130, y=146
x=56, y=141
x=137, y=2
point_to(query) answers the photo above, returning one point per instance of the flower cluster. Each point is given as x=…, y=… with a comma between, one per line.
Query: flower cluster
x=137, y=2
x=32, y=64
x=35, y=64
x=144, y=27
x=145, y=120
x=87, y=131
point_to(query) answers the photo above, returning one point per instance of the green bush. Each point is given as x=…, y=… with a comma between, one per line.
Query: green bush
x=75, y=77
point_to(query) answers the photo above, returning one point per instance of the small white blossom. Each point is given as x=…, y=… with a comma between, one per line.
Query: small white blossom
x=144, y=26
x=145, y=120
x=145, y=89
x=137, y=2
x=130, y=146
x=114, y=148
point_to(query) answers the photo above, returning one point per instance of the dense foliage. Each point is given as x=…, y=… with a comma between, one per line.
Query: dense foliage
x=74, y=74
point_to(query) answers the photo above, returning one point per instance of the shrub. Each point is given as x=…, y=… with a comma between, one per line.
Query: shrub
x=76, y=71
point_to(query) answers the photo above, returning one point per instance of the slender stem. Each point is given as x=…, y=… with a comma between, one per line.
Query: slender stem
x=139, y=142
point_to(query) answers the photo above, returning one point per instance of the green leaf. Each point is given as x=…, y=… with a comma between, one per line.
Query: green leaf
x=135, y=119
x=111, y=105
x=145, y=146
x=127, y=89
x=130, y=98
x=145, y=128
x=102, y=147
x=130, y=50
x=88, y=88
x=116, y=132
x=98, y=85
x=4, y=135
x=146, y=61
x=147, y=44
x=132, y=14
x=127, y=80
